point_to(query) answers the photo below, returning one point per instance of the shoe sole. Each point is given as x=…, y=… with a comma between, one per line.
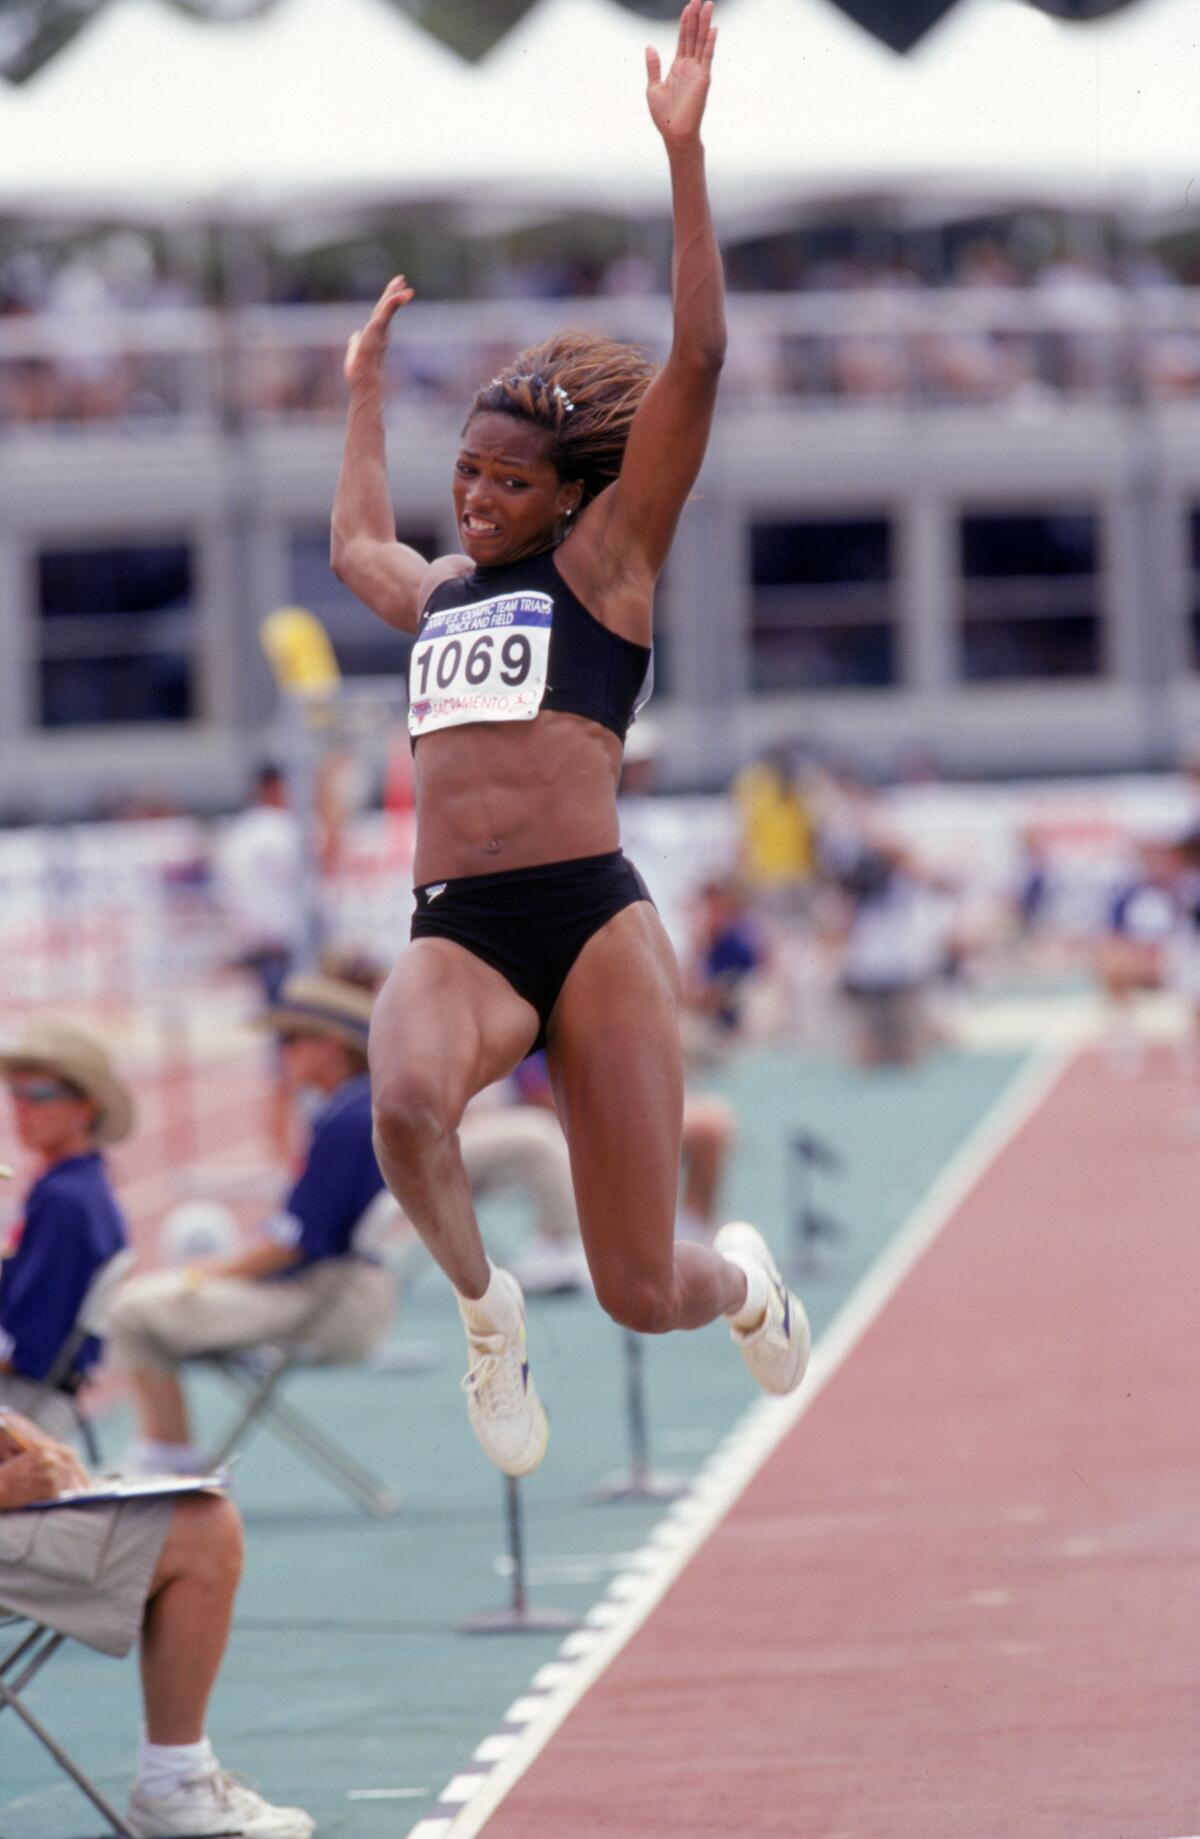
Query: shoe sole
x=527, y=1465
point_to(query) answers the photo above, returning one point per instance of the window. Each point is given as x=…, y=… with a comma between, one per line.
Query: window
x=365, y=646
x=116, y=630
x=1030, y=596
x=823, y=605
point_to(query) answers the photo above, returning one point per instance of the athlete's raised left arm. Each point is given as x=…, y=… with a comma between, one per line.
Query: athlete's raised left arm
x=670, y=430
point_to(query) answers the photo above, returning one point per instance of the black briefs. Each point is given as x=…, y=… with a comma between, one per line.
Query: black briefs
x=530, y=924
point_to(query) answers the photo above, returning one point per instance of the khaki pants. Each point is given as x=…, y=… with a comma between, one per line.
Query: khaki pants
x=85, y=1571
x=336, y=1310
x=522, y=1148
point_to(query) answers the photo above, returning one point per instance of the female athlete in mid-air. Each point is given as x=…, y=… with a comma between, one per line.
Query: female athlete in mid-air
x=532, y=650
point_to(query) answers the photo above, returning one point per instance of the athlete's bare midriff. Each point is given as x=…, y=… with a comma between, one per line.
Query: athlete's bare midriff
x=500, y=795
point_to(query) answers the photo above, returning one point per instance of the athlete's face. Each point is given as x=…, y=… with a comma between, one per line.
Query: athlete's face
x=508, y=499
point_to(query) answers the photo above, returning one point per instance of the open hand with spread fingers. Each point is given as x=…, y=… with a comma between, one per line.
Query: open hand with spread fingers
x=677, y=100
x=365, y=351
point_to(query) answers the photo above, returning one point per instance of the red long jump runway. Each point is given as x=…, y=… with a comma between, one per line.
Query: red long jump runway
x=962, y=1596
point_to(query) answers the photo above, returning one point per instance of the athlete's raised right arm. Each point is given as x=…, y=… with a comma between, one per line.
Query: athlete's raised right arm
x=364, y=553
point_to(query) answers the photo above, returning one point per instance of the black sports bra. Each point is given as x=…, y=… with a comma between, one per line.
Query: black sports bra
x=589, y=670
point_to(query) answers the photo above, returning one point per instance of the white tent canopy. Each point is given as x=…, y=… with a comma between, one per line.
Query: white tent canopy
x=325, y=101
x=1105, y=110
x=153, y=110
x=1001, y=100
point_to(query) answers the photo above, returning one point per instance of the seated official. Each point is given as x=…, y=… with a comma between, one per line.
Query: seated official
x=67, y=1101
x=303, y=1284
x=160, y=1572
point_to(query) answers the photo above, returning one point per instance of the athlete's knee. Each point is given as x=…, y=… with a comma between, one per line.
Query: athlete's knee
x=411, y=1116
x=639, y=1303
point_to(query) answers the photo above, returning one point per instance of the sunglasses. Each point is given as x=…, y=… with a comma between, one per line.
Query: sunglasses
x=42, y=1091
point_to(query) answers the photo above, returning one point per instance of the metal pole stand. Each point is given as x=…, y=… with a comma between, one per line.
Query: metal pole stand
x=639, y=1482
x=518, y=1618
x=809, y=1156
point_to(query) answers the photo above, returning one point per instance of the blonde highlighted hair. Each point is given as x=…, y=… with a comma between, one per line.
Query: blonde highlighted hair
x=583, y=390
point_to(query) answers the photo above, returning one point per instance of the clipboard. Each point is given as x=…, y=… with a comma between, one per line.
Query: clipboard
x=112, y=1490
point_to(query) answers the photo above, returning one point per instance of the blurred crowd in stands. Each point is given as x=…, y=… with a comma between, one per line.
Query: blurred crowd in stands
x=998, y=312
x=833, y=928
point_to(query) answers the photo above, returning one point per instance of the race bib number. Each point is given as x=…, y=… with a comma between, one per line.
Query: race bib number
x=482, y=663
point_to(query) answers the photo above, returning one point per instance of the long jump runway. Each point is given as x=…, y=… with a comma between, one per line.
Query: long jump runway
x=961, y=1594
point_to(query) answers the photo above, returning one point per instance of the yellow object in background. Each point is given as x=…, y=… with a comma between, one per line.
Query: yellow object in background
x=777, y=842
x=298, y=649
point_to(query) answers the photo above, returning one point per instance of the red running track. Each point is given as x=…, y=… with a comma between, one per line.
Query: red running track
x=962, y=1598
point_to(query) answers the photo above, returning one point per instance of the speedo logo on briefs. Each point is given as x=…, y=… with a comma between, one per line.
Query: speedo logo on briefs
x=439, y=887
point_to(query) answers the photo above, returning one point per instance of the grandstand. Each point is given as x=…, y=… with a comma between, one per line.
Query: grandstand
x=952, y=504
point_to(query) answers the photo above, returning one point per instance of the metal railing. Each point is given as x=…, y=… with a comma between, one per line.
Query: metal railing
x=275, y=365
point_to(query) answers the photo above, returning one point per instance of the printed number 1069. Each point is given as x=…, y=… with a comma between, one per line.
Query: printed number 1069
x=473, y=664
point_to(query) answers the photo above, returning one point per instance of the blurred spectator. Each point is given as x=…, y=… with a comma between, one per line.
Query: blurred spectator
x=631, y=273
x=776, y=842
x=728, y=950
x=68, y=1102
x=304, y=1282
x=1130, y=954
x=893, y=949
x=1032, y=888
x=260, y=888
x=1182, y=957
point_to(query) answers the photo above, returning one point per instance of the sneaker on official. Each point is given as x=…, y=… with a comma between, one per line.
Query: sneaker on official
x=546, y=1266
x=505, y=1411
x=776, y=1347
x=210, y=1804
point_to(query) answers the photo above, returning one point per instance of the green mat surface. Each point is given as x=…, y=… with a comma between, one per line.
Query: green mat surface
x=347, y=1671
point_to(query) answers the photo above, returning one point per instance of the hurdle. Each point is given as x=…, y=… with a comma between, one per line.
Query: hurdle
x=639, y=1482
x=519, y=1618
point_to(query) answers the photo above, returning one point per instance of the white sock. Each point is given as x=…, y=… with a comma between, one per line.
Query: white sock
x=166, y=1458
x=752, y=1311
x=495, y=1310
x=162, y=1767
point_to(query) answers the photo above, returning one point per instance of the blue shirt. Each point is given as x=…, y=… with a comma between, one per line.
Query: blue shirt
x=339, y=1180
x=732, y=954
x=72, y=1226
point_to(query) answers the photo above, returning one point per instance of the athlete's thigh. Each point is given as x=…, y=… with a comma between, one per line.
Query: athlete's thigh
x=445, y=1025
x=614, y=1057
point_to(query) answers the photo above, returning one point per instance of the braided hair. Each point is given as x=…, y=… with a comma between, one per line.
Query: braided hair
x=583, y=391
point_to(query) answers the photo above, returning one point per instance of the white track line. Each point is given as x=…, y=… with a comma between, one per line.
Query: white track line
x=470, y=1799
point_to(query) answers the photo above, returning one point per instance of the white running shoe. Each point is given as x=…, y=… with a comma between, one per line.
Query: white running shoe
x=505, y=1411
x=211, y=1804
x=776, y=1350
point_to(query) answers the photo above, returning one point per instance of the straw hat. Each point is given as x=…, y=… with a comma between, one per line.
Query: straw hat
x=71, y=1054
x=322, y=1006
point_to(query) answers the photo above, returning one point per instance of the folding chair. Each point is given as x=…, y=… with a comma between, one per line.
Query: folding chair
x=92, y=1319
x=32, y=1648
x=258, y=1374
